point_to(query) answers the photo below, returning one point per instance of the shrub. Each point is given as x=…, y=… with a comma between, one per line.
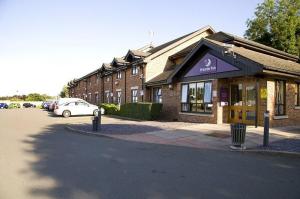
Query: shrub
x=143, y=111
x=110, y=109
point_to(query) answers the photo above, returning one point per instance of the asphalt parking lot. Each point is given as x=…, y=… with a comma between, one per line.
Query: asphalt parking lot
x=39, y=158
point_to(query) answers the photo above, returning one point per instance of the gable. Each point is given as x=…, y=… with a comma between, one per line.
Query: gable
x=210, y=64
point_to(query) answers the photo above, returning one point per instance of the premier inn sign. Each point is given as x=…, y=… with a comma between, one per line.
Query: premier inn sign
x=210, y=64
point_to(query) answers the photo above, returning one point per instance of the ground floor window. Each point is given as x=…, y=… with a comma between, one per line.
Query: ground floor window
x=157, y=98
x=96, y=98
x=196, y=97
x=119, y=94
x=134, y=95
x=107, y=96
x=90, y=97
x=280, y=95
x=297, y=94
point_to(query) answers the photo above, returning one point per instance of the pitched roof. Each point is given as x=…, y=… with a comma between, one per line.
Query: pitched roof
x=184, y=51
x=162, y=46
x=161, y=78
x=267, y=61
x=239, y=41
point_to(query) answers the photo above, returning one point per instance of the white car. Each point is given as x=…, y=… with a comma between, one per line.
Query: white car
x=76, y=108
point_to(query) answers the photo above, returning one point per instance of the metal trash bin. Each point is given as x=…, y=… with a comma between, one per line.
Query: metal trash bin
x=238, y=134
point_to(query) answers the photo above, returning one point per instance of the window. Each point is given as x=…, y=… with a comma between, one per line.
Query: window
x=107, y=79
x=196, y=97
x=157, y=98
x=134, y=70
x=90, y=82
x=97, y=79
x=134, y=96
x=280, y=97
x=90, y=97
x=96, y=98
x=119, y=94
x=119, y=75
x=107, y=96
x=297, y=94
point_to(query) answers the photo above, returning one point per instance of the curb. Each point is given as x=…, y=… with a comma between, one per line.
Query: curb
x=271, y=152
x=73, y=130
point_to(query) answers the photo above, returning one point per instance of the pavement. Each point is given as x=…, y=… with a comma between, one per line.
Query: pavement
x=40, y=159
x=284, y=139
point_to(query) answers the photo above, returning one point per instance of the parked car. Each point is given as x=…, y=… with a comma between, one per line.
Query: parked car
x=28, y=105
x=46, y=104
x=76, y=108
x=3, y=106
x=14, y=105
x=62, y=101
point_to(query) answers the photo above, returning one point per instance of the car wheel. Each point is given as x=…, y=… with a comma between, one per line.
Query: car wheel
x=66, y=114
x=95, y=113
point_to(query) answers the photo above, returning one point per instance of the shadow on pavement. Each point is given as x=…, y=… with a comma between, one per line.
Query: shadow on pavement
x=124, y=129
x=87, y=167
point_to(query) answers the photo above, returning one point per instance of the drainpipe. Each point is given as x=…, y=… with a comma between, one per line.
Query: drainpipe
x=125, y=85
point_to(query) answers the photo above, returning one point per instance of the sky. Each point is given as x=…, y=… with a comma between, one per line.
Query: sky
x=46, y=43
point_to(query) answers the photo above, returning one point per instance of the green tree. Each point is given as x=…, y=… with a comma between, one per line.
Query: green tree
x=64, y=92
x=35, y=97
x=277, y=24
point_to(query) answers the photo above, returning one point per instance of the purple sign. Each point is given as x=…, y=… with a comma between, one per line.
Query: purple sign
x=210, y=64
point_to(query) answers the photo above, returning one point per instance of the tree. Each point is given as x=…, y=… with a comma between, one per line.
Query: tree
x=35, y=97
x=64, y=92
x=276, y=24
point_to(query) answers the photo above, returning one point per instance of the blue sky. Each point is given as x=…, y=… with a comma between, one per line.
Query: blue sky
x=46, y=43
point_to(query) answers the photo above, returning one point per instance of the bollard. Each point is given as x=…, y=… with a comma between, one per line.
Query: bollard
x=99, y=119
x=266, y=128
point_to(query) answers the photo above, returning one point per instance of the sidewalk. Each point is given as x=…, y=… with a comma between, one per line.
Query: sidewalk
x=192, y=134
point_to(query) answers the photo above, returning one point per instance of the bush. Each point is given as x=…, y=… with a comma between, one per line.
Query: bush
x=143, y=111
x=110, y=109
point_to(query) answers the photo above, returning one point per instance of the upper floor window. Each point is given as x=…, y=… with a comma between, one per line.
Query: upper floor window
x=97, y=78
x=119, y=75
x=134, y=70
x=297, y=94
x=196, y=97
x=134, y=95
x=280, y=94
x=157, y=98
x=107, y=79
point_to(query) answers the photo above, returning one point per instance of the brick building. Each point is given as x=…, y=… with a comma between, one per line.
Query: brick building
x=203, y=77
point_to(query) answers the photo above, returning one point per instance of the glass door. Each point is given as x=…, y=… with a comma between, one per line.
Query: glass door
x=242, y=103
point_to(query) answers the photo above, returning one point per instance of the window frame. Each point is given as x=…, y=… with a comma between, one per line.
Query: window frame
x=276, y=104
x=119, y=75
x=188, y=105
x=155, y=97
x=134, y=70
x=134, y=99
x=119, y=97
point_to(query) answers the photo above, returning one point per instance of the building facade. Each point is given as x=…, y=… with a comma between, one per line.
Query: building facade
x=202, y=77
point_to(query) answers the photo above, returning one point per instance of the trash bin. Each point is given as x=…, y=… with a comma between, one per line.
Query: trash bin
x=238, y=133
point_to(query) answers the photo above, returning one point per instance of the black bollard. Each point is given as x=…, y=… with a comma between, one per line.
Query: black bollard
x=266, y=128
x=99, y=119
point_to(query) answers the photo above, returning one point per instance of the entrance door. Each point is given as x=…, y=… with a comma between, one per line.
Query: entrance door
x=242, y=103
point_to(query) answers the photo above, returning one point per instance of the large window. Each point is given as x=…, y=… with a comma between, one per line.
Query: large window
x=196, y=97
x=134, y=95
x=280, y=97
x=157, y=98
x=297, y=95
x=134, y=70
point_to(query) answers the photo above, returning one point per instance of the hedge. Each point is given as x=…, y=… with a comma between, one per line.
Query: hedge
x=110, y=109
x=143, y=111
